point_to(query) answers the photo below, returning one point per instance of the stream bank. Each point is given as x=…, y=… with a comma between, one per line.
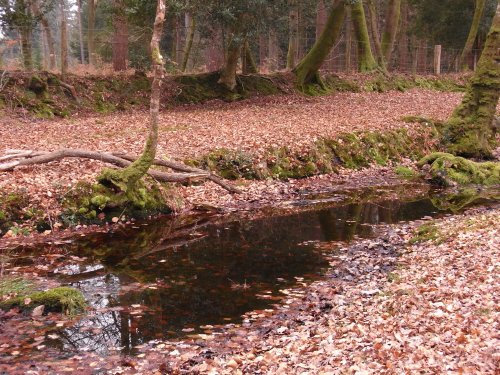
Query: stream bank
x=397, y=300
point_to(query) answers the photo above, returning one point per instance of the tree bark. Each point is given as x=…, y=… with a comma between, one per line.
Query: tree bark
x=248, y=65
x=307, y=70
x=293, y=34
x=348, y=41
x=273, y=51
x=26, y=48
x=392, y=18
x=191, y=24
x=120, y=36
x=126, y=180
x=472, y=129
x=320, y=18
x=372, y=10
x=366, y=61
x=64, y=39
x=403, y=45
x=92, y=5
x=228, y=73
x=80, y=31
x=478, y=13
x=49, y=39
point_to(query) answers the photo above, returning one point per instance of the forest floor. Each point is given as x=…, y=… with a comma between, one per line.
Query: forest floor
x=387, y=305
x=191, y=131
x=400, y=303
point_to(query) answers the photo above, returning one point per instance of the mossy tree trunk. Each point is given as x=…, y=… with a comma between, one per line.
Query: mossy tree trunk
x=307, y=70
x=248, y=65
x=471, y=130
x=126, y=180
x=372, y=10
x=476, y=20
x=228, y=73
x=26, y=48
x=191, y=23
x=392, y=17
x=366, y=61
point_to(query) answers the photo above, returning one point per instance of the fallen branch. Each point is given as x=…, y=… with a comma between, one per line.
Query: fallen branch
x=184, y=168
x=18, y=158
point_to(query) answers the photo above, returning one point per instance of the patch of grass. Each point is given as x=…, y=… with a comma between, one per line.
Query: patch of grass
x=14, y=286
x=406, y=173
x=426, y=232
x=393, y=277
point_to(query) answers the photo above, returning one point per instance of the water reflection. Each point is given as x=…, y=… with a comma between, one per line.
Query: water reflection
x=167, y=279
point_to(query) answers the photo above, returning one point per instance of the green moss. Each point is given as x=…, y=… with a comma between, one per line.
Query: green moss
x=86, y=201
x=426, y=232
x=200, y=88
x=350, y=150
x=406, y=173
x=13, y=208
x=63, y=299
x=449, y=170
x=417, y=119
x=14, y=286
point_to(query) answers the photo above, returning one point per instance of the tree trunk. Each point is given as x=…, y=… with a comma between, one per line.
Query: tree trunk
x=293, y=34
x=80, y=31
x=320, y=18
x=348, y=41
x=26, y=47
x=307, y=70
x=126, y=179
x=372, y=10
x=248, y=65
x=228, y=74
x=120, y=36
x=262, y=52
x=478, y=13
x=191, y=24
x=273, y=51
x=391, y=29
x=472, y=129
x=366, y=61
x=64, y=39
x=403, y=45
x=46, y=30
x=92, y=4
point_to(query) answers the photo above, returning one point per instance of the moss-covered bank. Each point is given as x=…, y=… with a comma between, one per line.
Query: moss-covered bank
x=45, y=95
x=326, y=155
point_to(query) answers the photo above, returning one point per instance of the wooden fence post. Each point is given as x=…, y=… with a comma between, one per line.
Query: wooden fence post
x=437, y=59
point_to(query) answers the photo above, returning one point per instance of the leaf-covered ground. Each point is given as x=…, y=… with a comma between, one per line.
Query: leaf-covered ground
x=395, y=304
x=193, y=130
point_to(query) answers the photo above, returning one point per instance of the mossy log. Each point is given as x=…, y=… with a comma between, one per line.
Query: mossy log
x=449, y=170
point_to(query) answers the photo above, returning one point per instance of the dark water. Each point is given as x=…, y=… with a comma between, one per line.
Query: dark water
x=190, y=274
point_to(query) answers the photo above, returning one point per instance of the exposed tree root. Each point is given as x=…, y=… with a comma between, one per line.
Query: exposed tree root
x=17, y=158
